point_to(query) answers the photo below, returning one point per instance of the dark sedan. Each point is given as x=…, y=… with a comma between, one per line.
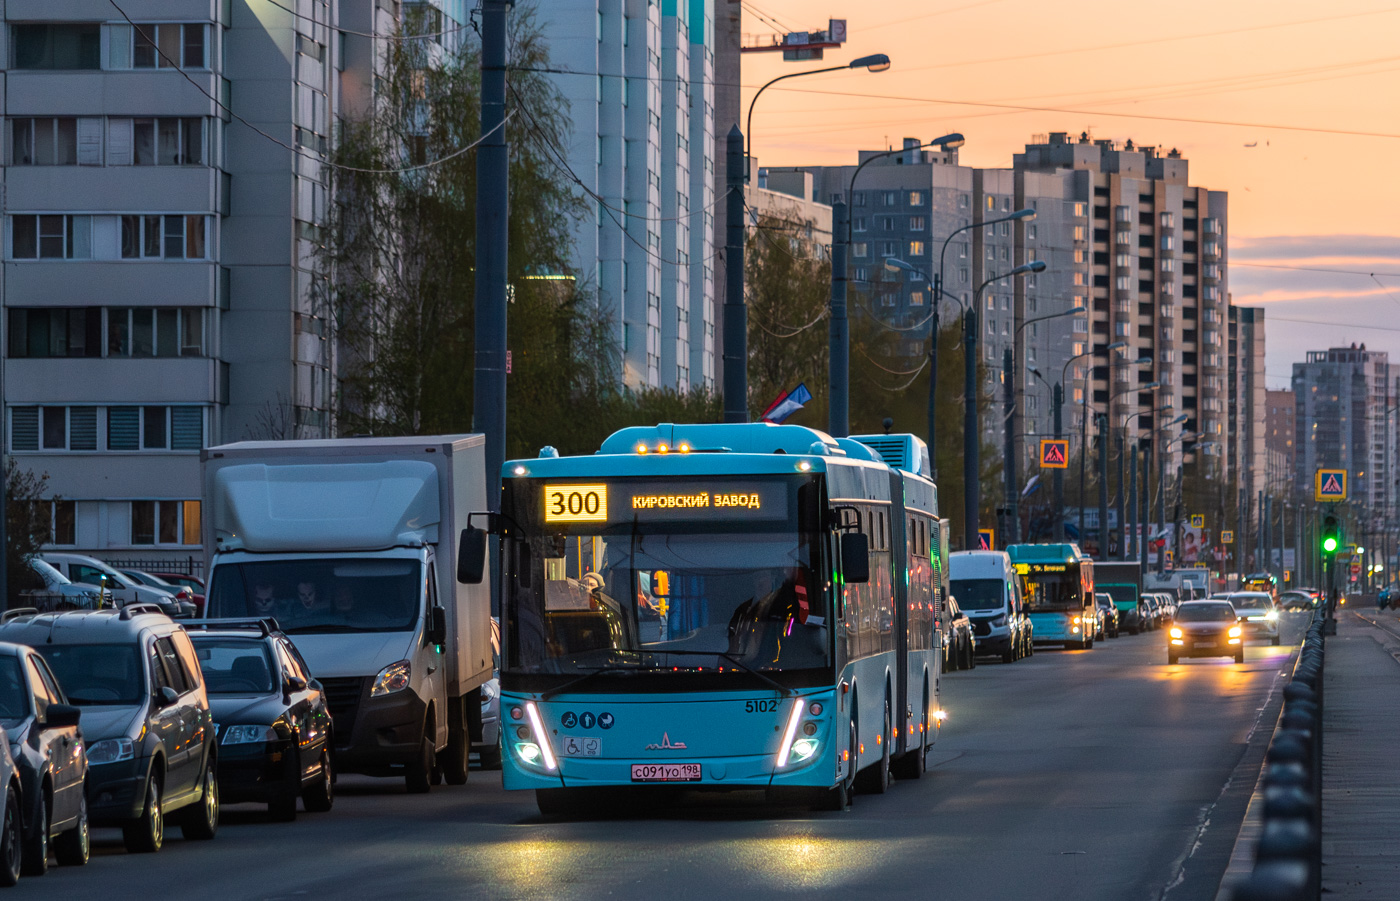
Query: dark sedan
x=1205, y=629
x=960, y=643
x=273, y=724
x=46, y=743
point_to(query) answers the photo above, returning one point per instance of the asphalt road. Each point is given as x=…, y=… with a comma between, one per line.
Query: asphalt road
x=1069, y=775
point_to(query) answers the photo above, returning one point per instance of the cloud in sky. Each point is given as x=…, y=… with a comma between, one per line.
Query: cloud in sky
x=1319, y=291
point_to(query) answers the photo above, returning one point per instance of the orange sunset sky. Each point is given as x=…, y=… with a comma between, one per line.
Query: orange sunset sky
x=1314, y=88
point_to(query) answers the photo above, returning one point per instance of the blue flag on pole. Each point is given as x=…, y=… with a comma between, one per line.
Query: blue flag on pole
x=787, y=404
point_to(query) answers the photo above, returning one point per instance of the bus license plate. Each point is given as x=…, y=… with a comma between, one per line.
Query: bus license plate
x=665, y=772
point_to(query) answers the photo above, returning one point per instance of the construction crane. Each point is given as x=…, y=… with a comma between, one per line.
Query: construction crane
x=797, y=45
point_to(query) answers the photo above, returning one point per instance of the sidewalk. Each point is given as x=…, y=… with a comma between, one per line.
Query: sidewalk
x=1360, y=751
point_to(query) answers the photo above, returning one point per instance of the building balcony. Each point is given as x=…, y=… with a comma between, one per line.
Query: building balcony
x=114, y=283
x=121, y=189
x=116, y=380
x=125, y=92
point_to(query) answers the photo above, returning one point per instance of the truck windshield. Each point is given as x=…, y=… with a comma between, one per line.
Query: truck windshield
x=1054, y=591
x=307, y=596
x=979, y=594
x=689, y=596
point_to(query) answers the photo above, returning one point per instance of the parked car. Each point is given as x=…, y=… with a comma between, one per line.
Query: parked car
x=270, y=712
x=1307, y=598
x=43, y=587
x=121, y=589
x=959, y=644
x=194, y=583
x=47, y=745
x=1108, y=613
x=488, y=752
x=1258, y=613
x=1206, y=629
x=181, y=593
x=11, y=819
x=1148, y=613
x=151, y=741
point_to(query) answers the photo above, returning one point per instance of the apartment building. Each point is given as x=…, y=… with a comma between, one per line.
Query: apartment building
x=164, y=191
x=1279, y=436
x=640, y=91
x=1345, y=419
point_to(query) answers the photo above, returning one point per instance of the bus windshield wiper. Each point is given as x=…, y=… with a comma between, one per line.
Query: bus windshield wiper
x=786, y=692
x=612, y=668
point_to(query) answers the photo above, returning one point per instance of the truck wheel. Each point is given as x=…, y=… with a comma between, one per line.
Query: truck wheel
x=418, y=775
x=455, y=759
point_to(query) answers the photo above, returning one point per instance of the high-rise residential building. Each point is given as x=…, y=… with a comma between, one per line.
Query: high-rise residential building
x=640, y=94
x=1159, y=285
x=165, y=187
x=1246, y=420
x=1344, y=400
x=1279, y=435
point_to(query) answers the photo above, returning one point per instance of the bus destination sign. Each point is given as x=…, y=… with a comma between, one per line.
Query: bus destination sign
x=624, y=501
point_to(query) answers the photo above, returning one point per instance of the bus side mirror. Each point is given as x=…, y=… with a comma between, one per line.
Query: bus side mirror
x=855, y=557
x=471, y=556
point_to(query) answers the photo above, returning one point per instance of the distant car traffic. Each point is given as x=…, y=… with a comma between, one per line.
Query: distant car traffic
x=194, y=583
x=1260, y=616
x=1301, y=598
x=151, y=743
x=960, y=645
x=47, y=745
x=1205, y=629
x=1108, y=613
x=271, y=716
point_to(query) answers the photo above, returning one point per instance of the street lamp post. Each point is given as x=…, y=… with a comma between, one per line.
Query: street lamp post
x=1161, y=450
x=736, y=357
x=1012, y=458
x=971, y=437
x=1059, y=433
x=1133, y=542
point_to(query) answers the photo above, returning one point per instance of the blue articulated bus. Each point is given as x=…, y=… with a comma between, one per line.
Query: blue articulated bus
x=1059, y=592
x=719, y=606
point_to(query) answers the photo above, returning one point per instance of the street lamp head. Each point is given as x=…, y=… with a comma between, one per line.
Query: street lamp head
x=876, y=62
x=1035, y=266
x=1116, y=345
x=1150, y=386
x=949, y=142
x=1026, y=214
x=1180, y=419
x=1075, y=310
x=896, y=265
x=1142, y=361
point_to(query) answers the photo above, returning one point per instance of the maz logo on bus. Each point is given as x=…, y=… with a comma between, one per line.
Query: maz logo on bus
x=576, y=503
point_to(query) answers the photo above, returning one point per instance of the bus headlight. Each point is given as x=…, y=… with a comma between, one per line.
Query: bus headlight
x=536, y=753
x=803, y=749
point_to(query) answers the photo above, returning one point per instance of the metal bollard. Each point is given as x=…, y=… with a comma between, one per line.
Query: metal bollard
x=1280, y=880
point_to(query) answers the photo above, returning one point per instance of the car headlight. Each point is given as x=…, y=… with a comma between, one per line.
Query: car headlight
x=111, y=750
x=392, y=678
x=1176, y=633
x=1235, y=631
x=243, y=735
x=490, y=692
x=1271, y=616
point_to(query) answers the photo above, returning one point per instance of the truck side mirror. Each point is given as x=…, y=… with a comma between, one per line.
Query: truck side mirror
x=855, y=558
x=471, y=556
x=437, y=626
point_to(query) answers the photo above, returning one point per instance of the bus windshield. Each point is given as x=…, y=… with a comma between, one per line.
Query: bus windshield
x=1054, y=591
x=679, y=593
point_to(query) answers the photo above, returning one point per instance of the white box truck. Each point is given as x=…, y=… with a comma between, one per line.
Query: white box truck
x=351, y=545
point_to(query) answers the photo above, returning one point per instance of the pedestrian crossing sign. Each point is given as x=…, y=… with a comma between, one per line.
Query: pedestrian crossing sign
x=1198, y=521
x=986, y=539
x=1227, y=537
x=1331, y=485
x=1054, y=453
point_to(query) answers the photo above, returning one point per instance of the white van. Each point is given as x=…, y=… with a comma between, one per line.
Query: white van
x=990, y=592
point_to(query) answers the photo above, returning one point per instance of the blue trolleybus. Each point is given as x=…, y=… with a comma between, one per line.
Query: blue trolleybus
x=719, y=607
x=1059, y=592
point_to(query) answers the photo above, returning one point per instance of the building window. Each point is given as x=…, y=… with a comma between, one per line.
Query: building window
x=55, y=332
x=888, y=249
x=57, y=46
x=917, y=223
x=50, y=237
x=860, y=274
x=155, y=428
x=916, y=299
x=53, y=428
x=916, y=198
x=1168, y=242
x=963, y=201
x=860, y=249
x=167, y=46
x=858, y=224
x=155, y=332
x=858, y=198
x=165, y=522
x=1168, y=220
x=163, y=237
x=1030, y=233
x=167, y=142
x=916, y=248
x=1081, y=326
x=45, y=142
x=1079, y=233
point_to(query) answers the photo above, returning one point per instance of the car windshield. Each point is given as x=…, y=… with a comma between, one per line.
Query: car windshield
x=96, y=674
x=1250, y=602
x=14, y=694
x=1205, y=613
x=234, y=666
x=309, y=595
x=980, y=594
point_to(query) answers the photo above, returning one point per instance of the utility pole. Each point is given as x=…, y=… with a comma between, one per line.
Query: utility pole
x=1059, y=396
x=1008, y=401
x=1131, y=548
x=838, y=330
x=1161, y=451
x=492, y=249
x=1122, y=520
x=1101, y=421
x=972, y=438
x=736, y=315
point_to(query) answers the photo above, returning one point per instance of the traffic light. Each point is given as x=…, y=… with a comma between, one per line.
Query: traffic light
x=1331, y=535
